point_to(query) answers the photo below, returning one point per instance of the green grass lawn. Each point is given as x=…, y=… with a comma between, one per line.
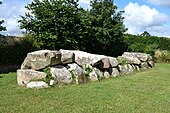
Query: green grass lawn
x=144, y=92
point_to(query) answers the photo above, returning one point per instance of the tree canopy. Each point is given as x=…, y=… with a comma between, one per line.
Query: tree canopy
x=145, y=33
x=56, y=24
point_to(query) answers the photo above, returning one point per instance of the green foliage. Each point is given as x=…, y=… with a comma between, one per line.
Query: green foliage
x=56, y=24
x=53, y=24
x=49, y=75
x=147, y=44
x=13, y=50
x=121, y=60
x=100, y=77
x=87, y=69
x=106, y=29
x=1, y=27
x=73, y=74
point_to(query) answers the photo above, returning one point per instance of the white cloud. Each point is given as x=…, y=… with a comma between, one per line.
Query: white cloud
x=161, y=2
x=10, y=13
x=140, y=18
x=12, y=27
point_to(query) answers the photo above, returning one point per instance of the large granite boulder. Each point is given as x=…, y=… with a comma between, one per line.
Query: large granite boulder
x=77, y=72
x=125, y=69
x=106, y=74
x=131, y=60
x=40, y=59
x=37, y=84
x=104, y=63
x=83, y=58
x=99, y=73
x=67, y=56
x=61, y=75
x=141, y=56
x=93, y=76
x=24, y=76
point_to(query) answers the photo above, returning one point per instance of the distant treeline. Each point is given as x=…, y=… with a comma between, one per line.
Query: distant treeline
x=147, y=44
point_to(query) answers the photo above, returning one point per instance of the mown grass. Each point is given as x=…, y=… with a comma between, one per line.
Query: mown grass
x=144, y=92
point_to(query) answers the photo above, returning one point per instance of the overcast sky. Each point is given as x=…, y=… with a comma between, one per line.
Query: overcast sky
x=140, y=15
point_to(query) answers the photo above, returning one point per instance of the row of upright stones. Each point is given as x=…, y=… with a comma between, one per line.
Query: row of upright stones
x=46, y=68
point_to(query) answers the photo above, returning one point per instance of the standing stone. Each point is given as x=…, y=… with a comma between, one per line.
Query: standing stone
x=37, y=84
x=144, y=65
x=40, y=59
x=115, y=72
x=99, y=74
x=52, y=82
x=137, y=68
x=24, y=76
x=133, y=66
x=106, y=74
x=130, y=68
x=150, y=64
x=61, y=75
x=93, y=76
x=77, y=72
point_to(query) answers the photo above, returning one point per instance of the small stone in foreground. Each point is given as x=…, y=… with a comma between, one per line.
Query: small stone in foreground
x=24, y=76
x=37, y=85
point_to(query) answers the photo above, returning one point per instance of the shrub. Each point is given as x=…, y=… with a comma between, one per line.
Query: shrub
x=13, y=50
x=162, y=56
x=121, y=60
x=49, y=75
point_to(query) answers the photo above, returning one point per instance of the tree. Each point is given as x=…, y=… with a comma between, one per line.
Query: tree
x=54, y=24
x=1, y=22
x=107, y=29
x=145, y=33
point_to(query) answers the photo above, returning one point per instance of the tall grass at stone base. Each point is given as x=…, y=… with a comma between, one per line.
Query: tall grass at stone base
x=162, y=56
